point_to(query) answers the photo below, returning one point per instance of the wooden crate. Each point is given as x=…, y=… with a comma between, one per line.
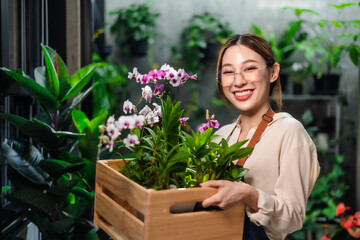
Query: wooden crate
x=126, y=210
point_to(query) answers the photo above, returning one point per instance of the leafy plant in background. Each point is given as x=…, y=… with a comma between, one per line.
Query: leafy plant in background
x=162, y=153
x=134, y=24
x=349, y=225
x=329, y=39
x=284, y=45
x=112, y=86
x=55, y=188
x=199, y=40
x=203, y=31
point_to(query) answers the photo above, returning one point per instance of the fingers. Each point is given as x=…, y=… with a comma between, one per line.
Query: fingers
x=212, y=183
x=211, y=201
x=216, y=199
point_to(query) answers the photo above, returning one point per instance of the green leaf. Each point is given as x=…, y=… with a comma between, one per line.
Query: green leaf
x=43, y=95
x=79, y=80
x=63, y=73
x=88, y=145
x=62, y=225
x=34, y=199
x=25, y=159
x=336, y=24
x=354, y=53
x=343, y=5
x=57, y=167
x=81, y=192
x=80, y=119
x=41, y=133
x=5, y=188
x=61, y=189
x=51, y=70
x=40, y=77
x=91, y=235
x=64, y=115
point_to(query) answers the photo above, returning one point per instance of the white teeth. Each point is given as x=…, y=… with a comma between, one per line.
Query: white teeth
x=244, y=93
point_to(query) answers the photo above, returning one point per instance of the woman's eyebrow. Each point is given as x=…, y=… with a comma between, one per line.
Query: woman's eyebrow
x=246, y=61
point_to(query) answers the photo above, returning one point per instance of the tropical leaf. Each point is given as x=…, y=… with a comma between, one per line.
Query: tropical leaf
x=79, y=80
x=5, y=188
x=56, y=167
x=32, y=198
x=61, y=189
x=43, y=95
x=52, y=72
x=25, y=159
x=63, y=73
x=41, y=133
x=88, y=146
x=64, y=115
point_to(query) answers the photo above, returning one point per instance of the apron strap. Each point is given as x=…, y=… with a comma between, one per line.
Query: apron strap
x=266, y=119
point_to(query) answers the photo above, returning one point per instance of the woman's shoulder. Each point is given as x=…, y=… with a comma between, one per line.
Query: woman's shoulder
x=289, y=127
x=285, y=120
x=226, y=129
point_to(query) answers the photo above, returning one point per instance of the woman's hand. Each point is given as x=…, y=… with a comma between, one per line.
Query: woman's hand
x=230, y=193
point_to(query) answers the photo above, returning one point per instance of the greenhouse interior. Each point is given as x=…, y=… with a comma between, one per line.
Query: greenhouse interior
x=116, y=120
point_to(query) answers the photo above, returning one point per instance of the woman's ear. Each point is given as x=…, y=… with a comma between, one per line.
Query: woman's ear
x=274, y=72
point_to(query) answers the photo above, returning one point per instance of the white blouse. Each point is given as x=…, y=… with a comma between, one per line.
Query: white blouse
x=283, y=167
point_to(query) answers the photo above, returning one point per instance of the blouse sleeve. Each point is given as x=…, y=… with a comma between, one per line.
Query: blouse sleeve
x=284, y=211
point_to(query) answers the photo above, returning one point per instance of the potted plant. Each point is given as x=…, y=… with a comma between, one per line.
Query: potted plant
x=199, y=41
x=299, y=72
x=162, y=156
x=134, y=29
x=54, y=187
x=284, y=46
x=328, y=41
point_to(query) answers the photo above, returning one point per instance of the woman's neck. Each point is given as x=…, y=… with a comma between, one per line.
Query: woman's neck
x=251, y=120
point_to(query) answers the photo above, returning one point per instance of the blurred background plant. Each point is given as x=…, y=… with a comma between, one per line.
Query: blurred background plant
x=112, y=85
x=284, y=45
x=200, y=40
x=329, y=41
x=134, y=29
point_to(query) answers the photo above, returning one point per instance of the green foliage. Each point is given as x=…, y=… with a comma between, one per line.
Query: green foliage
x=169, y=155
x=55, y=189
x=202, y=31
x=203, y=34
x=112, y=88
x=329, y=39
x=5, y=188
x=285, y=45
x=136, y=22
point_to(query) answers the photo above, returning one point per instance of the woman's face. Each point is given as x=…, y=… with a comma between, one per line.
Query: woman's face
x=246, y=79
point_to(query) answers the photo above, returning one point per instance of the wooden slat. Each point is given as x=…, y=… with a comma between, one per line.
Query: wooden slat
x=118, y=217
x=127, y=190
x=111, y=231
x=226, y=224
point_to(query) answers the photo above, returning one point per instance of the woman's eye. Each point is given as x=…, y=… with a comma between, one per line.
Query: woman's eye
x=250, y=68
x=228, y=72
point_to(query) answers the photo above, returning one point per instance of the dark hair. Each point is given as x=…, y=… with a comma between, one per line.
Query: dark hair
x=261, y=47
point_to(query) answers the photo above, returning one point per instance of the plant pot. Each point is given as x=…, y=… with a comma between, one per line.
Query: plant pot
x=297, y=88
x=284, y=78
x=126, y=210
x=327, y=84
x=138, y=48
x=210, y=52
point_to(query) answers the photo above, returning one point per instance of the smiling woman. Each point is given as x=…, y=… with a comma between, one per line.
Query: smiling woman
x=283, y=166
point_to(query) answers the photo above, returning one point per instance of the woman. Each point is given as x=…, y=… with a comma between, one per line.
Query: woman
x=283, y=166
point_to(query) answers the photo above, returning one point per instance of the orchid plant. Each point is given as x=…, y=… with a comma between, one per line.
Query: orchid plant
x=162, y=152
